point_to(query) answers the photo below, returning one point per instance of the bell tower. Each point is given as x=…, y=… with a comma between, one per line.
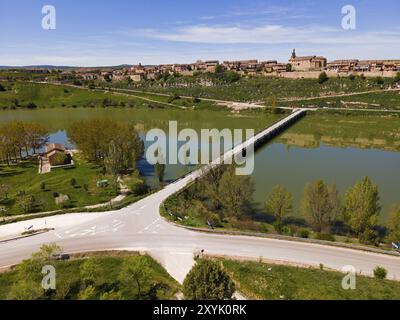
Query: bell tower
x=294, y=54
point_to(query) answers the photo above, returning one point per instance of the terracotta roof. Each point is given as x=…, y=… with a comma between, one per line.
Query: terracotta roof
x=54, y=146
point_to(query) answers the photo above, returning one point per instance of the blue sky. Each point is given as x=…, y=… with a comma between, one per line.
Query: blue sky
x=103, y=32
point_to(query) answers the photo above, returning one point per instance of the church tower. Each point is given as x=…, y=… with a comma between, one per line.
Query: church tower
x=294, y=54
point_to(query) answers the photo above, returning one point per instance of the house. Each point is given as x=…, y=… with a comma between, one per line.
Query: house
x=345, y=65
x=307, y=63
x=57, y=155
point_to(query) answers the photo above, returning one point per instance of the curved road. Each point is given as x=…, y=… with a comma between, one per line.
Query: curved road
x=139, y=227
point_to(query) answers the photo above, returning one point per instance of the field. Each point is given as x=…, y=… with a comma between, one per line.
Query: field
x=20, y=94
x=264, y=88
x=374, y=100
x=23, y=179
x=106, y=282
x=278, y=282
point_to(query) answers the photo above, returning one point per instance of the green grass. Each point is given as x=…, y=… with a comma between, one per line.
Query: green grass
x=276, y=282
x=160, y=285
x=374, y=100
x=53, y=96
x=24, y=177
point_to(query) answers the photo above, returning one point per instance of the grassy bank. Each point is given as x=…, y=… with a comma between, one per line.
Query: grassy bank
x=278, y=282
x=92, y=277
x=374, y=100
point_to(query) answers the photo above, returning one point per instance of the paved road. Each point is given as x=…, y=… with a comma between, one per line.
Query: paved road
x=140, y=227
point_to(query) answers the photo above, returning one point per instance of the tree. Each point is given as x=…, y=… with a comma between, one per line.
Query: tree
x=159, y=169
x=323, y=77
x=47, y=252
x=26, y=203
x=4, y=188
x=90, y=272
x=2, y=88
x=279, y=203
x=89, y=293
x=361, y=206
x=95, y=137
x=235, y=192
x=136, y=270
x=25, y=289
x=320, y=205
x=393, y=225
x=289, y=67
x=208, y=281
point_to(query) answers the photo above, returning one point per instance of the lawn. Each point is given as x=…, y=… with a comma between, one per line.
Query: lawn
x=24, y=178
x=277, y=282
x=156, y=284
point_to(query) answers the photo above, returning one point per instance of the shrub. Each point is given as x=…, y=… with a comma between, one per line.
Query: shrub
x=380, y=273
x=379, y=80
x=31, y=105
x=208, y=281
x=325, y=237
x=323, y=77
x=43, y=186
x=369, y=237
x=56, y=194
x=73, y=182
x=304, y=233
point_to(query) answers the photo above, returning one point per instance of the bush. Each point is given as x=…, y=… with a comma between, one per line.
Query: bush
x=379, y=80
x=323, y=77
x=304, y=233
x=56, y=194
x=31, y=105
x=73, y=182
x=2, y=88
x=380, y=273
x=43, y=186
x=369, y=237
x=208, y=281
x=325, y=237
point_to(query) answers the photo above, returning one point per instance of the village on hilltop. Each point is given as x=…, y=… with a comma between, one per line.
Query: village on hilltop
x=297, y=67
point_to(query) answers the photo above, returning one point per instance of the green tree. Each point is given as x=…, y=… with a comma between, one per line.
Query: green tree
x=135, y=270
x=279, y=203
x=323, y=77
x=4, y=188
x=235, y=192
x=47, y=252
x=393, y=225
x=320, y=205
x=90, y=272
x=289, y=67
x=361, y=206
x=26, y=203
x=208, y=281
x=25, y=289
x=159, y=169
x=89, y=293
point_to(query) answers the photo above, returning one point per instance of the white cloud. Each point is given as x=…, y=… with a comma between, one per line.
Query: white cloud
x=272, y=34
